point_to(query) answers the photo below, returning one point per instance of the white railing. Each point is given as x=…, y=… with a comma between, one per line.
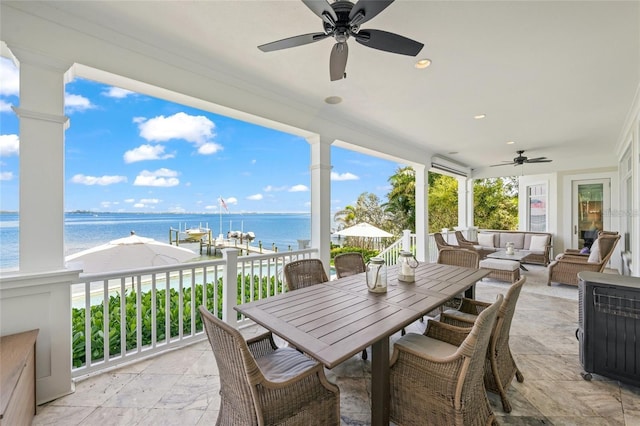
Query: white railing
x=142, y=321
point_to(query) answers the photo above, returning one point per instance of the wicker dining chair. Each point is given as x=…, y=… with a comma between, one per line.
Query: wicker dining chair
x=261, y=384
x=437, y=378
x=347, y=264
x=500, y=367
x=458, y=257
x=304, y=273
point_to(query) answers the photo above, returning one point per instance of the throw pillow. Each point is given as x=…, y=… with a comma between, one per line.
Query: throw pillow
x=485, y=240
x=594, y=256
x=538, y=243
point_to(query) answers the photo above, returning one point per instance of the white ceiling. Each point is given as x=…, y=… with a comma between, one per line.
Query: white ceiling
x=558, y=77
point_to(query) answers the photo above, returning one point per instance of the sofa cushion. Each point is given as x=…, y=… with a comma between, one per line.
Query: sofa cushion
x=517, y=238
x=539, y=243
x=486, y=240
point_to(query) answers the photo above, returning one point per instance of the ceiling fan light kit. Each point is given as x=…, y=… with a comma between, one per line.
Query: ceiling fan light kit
x=341, y=20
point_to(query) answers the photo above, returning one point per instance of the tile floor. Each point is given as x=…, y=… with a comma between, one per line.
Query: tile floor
x=181, y=387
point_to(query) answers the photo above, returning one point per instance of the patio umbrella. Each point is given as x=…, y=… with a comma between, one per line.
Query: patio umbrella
x=364, y=229
x=129, y=253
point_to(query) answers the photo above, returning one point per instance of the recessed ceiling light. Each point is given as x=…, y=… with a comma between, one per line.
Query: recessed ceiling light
x=510, y=143
x=332, y=100
x=423, y=63
x=480, y=116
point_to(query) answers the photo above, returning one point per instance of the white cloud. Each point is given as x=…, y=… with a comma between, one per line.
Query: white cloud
x=6, y=175
x=117, y=92
x=146, y=152
x=10, y=78
x=138, y=205
x=161, y=177
x=209, y=148
x=195, y=129
x=129, y=200
x=150, y=200
x=9, y=145
x=5, y=106
x=255, y=197
x=210, y=207
x=231, y=200
x=270, y=188
x=253, y=161
x=73, y=103
x=298, y=188
x=343, y=176
x=97, y=180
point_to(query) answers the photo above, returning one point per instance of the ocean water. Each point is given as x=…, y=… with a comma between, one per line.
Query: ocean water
x=86, y=230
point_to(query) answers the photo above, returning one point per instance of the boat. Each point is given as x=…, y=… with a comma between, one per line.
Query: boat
x=197, y=233
x=242, y=236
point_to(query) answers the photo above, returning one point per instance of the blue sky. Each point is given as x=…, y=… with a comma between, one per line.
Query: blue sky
x=134, y=153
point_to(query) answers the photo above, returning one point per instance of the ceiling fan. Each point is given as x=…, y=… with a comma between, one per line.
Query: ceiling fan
x=521, y=159
x=341, y=20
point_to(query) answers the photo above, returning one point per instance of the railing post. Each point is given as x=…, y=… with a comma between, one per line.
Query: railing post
x=230, y=286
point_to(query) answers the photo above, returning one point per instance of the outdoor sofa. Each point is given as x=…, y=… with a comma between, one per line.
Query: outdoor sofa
x=490, y=241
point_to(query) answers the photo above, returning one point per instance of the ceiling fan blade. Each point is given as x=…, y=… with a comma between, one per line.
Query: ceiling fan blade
x=506, y=163
x=338, y=61
x=365, y=10
x=538, y=160
x=389, y=42
x=321, y=8
x=286, y=43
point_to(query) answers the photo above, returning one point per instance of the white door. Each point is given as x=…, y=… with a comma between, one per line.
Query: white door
x=591, y=199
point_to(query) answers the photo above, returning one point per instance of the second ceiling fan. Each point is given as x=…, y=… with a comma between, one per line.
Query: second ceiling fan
x=341, y=20
x=521, y=159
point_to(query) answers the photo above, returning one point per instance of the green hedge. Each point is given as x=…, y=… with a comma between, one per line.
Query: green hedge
x=268, y=285
x=367, y=254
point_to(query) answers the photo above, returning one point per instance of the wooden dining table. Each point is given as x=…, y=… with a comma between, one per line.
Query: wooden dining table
x=333, y=321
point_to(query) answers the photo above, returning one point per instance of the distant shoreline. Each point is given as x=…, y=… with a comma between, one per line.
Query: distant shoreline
x=156, y=213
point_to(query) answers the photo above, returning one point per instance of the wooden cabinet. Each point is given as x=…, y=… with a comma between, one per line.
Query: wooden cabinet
x=18, y=378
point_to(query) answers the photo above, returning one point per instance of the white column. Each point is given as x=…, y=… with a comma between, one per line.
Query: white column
x=230, y=286
x=42, y=126
x=321, y=198
x=470, y=205
x=422, y=212
x=463, y=218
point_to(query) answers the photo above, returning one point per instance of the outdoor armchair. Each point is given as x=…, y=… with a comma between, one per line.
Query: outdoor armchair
x=471, y=245
x=457, y=257
x=500, y=367
x=441, y=242
x=437, y=378
x=261, y=384
x=565, y=269
x=347, y=264
x=304, y=273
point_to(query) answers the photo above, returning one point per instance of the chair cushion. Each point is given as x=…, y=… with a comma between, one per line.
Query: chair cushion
x=426, y=345
x=486, y=240
x=594, y=256
x=500, y=264
x=284, y=364
x=462, y=315
x=538, y=243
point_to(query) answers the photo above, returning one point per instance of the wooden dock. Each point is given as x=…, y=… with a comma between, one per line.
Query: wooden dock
x=209, y=245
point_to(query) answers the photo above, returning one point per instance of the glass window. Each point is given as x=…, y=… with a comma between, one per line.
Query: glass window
x=537, y=208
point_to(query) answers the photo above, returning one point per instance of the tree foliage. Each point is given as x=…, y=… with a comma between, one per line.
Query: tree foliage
x=495, y=202
x=401, y=204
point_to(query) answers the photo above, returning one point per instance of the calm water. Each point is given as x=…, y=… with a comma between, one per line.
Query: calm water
x=86, y=230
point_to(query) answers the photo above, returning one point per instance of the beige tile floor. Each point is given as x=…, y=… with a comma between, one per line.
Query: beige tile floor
x=181, y=387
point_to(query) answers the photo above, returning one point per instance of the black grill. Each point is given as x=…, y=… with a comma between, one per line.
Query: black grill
x=609, y=326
